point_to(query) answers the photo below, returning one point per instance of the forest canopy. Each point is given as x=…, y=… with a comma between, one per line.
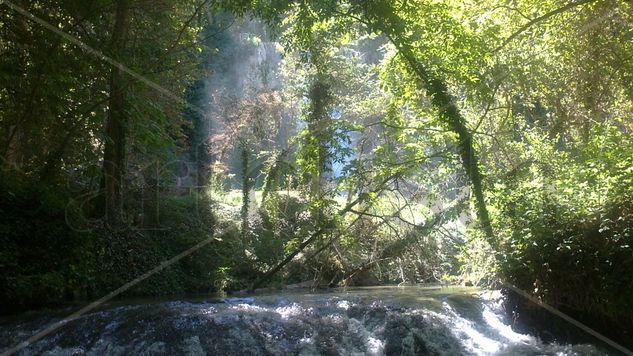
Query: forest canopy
x=355, y=142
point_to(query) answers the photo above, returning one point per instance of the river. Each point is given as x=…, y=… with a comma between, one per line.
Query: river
x=356, y=321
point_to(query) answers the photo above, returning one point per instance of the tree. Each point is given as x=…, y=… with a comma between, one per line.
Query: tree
x=115, y=126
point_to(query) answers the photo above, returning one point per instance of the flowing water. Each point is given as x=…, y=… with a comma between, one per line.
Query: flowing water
x=359, y=321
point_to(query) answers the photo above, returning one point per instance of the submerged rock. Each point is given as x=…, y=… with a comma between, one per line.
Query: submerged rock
x=239, y=300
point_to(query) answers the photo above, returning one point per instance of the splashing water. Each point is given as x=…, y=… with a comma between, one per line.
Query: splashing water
x=361, y=321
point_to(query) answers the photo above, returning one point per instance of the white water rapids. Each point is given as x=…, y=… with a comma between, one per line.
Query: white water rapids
x=359, y=321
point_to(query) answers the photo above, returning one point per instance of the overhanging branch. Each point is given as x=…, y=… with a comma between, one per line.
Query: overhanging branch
x=541, y=18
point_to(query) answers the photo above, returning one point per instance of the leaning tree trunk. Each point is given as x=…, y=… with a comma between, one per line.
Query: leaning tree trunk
x=114, y=147
x=382, y=16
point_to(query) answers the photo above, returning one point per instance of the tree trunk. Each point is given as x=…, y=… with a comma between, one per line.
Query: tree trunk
x=382, y=16
x=114, y=147
x=320, y=131
x=246, y=189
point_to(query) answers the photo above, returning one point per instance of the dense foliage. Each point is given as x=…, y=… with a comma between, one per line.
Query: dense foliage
x=336, y=142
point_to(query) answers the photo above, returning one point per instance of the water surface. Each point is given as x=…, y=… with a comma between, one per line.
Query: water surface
x=357, y=321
